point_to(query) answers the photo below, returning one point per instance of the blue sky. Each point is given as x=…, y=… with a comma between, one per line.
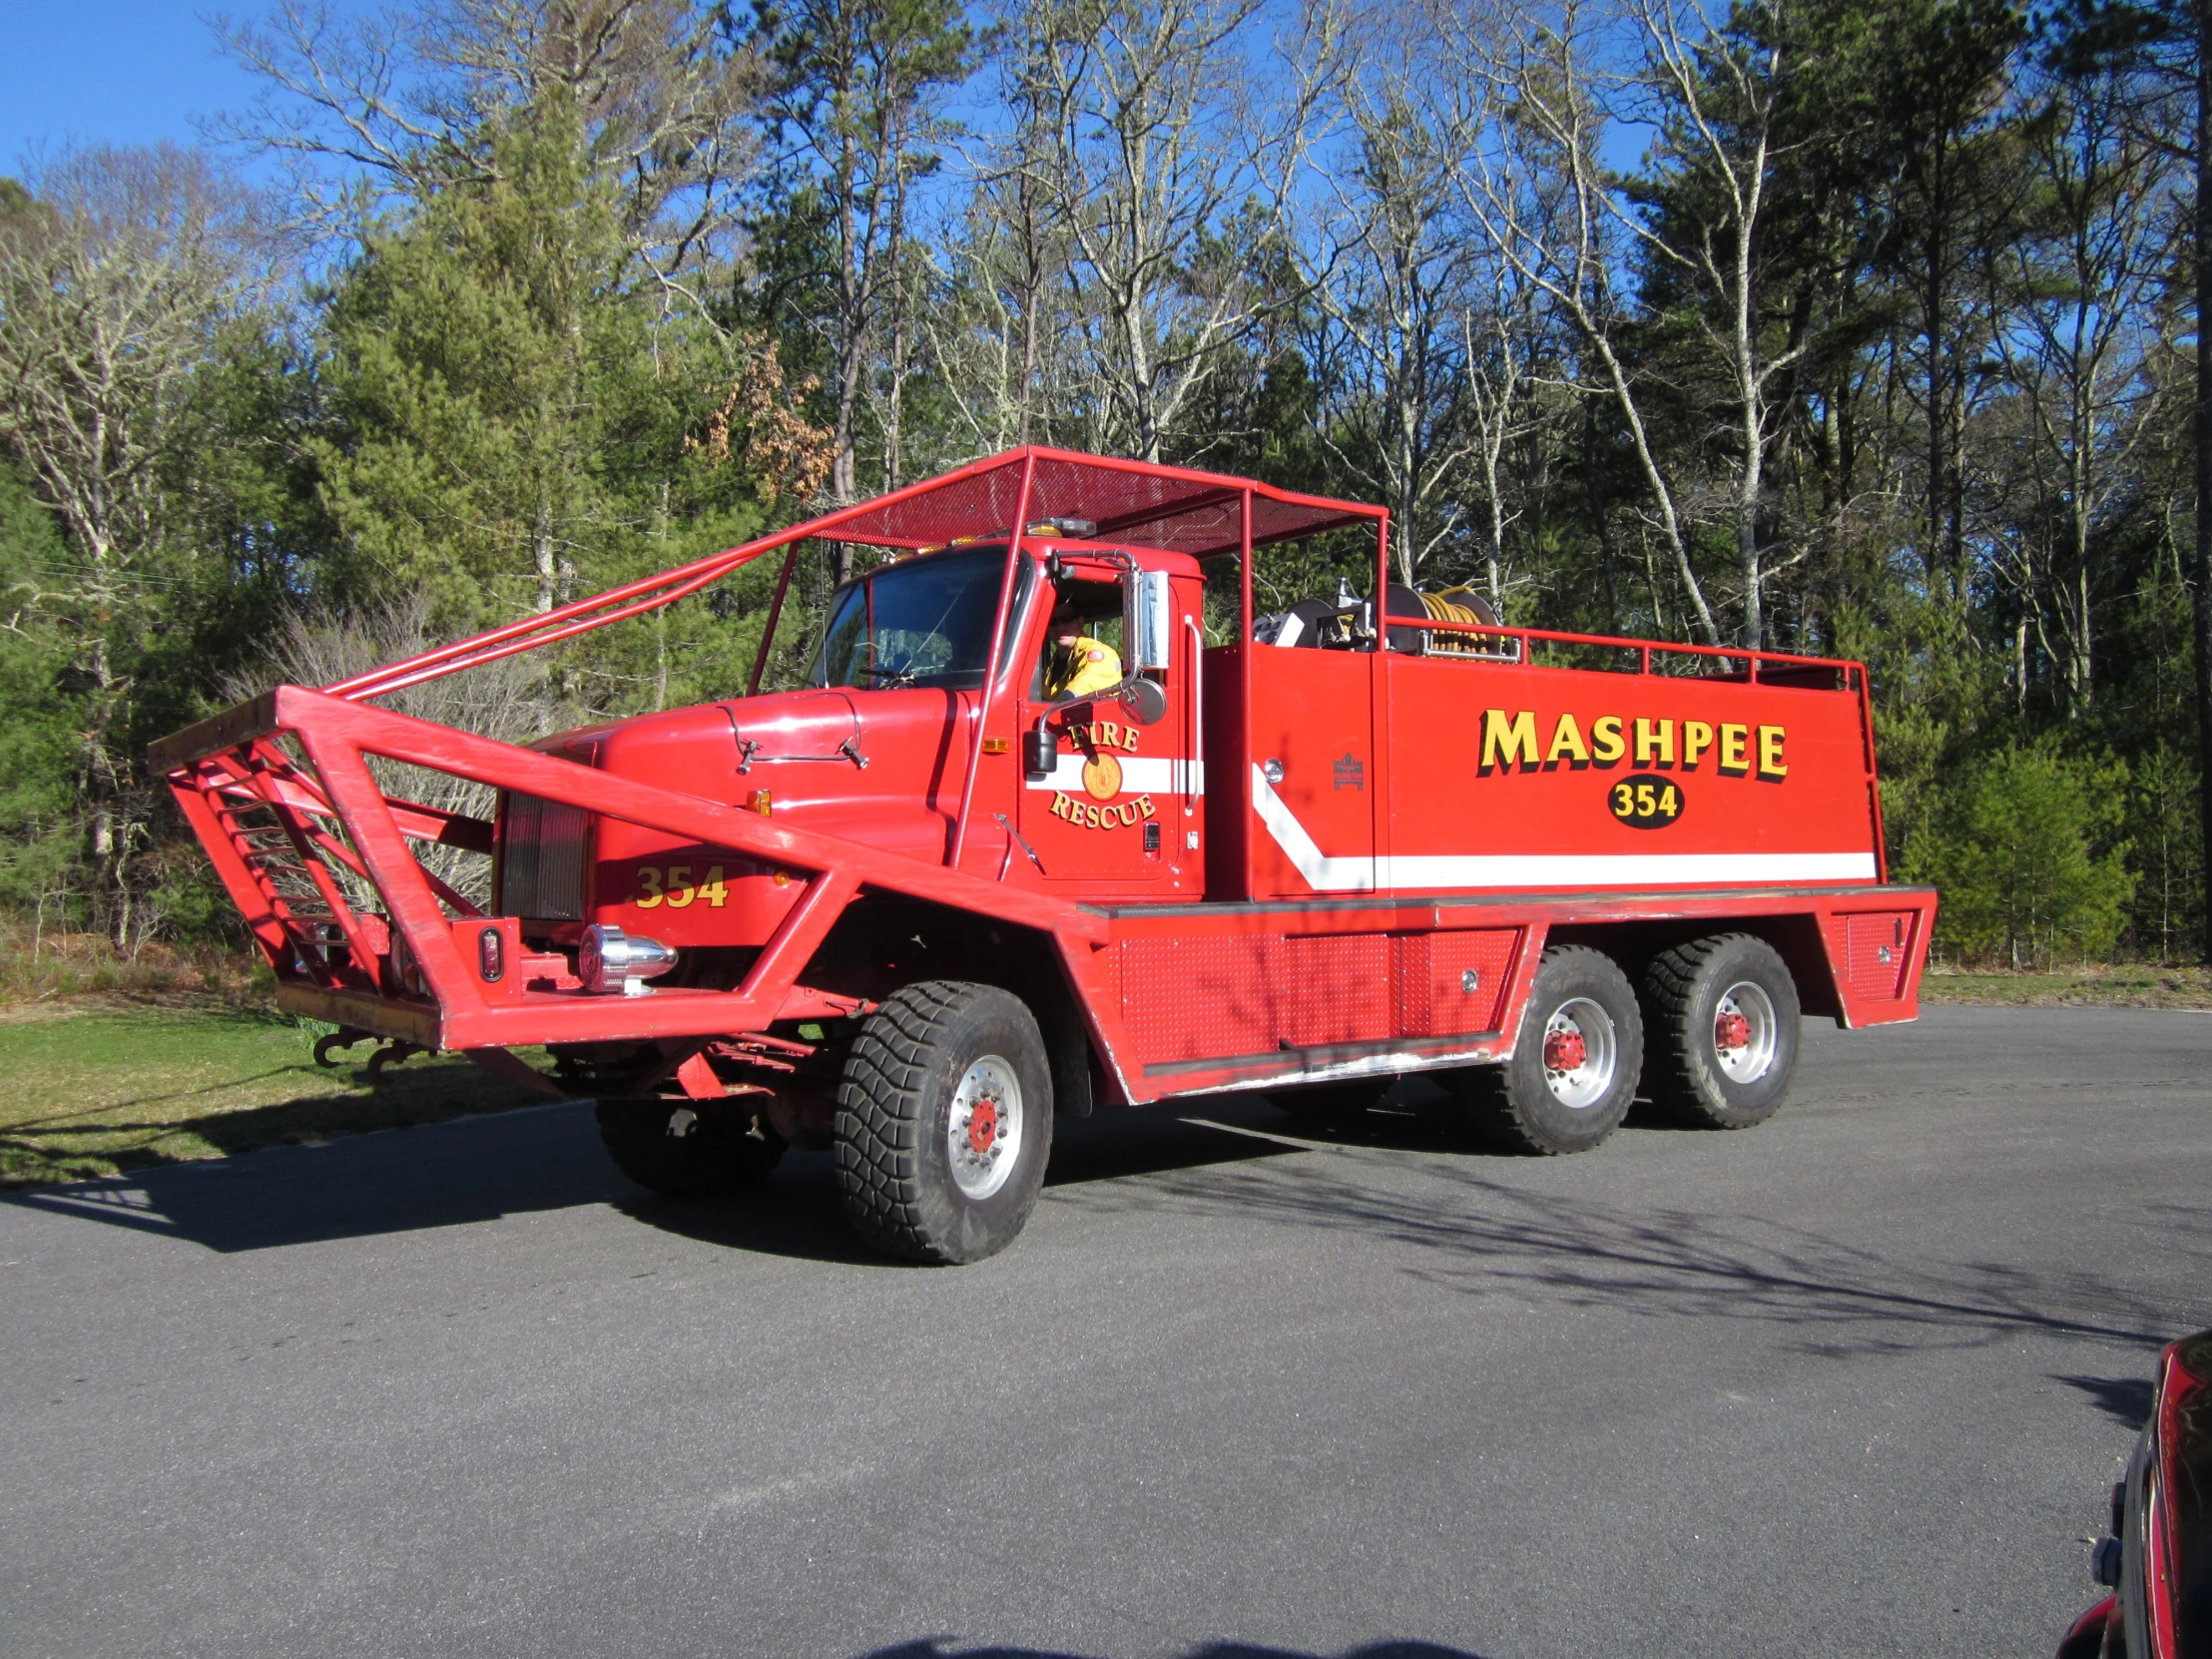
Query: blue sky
x=113, y=71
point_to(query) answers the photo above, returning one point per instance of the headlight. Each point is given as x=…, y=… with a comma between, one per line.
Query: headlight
x=614, y=964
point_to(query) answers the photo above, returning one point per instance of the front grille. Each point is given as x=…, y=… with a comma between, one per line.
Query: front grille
x=542, y=859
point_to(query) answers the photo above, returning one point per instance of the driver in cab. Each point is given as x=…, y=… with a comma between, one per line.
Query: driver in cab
x=1080, y=663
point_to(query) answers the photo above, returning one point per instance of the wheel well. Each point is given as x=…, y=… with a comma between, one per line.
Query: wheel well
x=1796, y=939
x=882, y=942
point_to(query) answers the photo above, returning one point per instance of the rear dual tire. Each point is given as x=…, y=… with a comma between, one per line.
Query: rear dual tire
x=1725, y=1013
x=1576, y=1058
x=1729, y=1010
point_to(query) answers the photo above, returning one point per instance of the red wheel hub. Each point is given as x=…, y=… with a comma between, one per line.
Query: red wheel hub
x=1730, y=1030
x=1565, y=1052
x=982, y=1127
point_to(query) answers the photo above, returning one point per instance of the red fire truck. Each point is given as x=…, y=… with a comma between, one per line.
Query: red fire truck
x=1044, y=830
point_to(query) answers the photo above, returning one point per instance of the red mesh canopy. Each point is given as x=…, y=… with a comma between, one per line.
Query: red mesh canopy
x=1130, y=501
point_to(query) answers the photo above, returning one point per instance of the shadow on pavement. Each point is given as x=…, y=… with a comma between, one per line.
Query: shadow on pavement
x=437, y=1175
x=1467, y=1225
x=2125, y=1399
x=1472, y=1224
x=936, y=1647
x=542, y=1158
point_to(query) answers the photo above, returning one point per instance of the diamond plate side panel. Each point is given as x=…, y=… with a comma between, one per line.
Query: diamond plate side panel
x=1489, y=954
x=1189, y=999
x=1194, y=999
x=1411, y=1000
x=1876, y=952
x=1336, y=988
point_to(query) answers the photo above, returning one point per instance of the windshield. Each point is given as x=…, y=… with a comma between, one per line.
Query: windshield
x=923, y=622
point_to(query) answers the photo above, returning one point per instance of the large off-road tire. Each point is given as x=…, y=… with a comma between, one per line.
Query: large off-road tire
x=688, y=1148
x=1575, y=1063
x=945, y=1121
x=1725, y=1015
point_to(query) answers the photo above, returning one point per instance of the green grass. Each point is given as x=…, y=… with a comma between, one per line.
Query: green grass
x=97, y=1091
x=2123, y=985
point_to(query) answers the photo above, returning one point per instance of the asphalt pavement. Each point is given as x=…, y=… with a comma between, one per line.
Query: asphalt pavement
x=1854, y=1383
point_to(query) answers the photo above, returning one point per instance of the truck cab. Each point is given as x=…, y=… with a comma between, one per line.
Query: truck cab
x=1097, y=795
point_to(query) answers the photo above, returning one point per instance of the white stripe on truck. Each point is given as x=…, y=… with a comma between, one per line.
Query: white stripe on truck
x=1140, y=774
x=1542, y=870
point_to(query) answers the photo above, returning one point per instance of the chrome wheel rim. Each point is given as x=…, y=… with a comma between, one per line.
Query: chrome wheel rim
x=1745, y=1032
x=982, y=1131
x=1579, y=1054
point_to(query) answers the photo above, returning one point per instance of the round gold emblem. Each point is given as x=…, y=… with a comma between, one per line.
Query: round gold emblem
x=1102, y=777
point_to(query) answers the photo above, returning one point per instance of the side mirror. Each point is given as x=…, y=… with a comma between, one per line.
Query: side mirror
x=1146, y=702
x=1040, y=752
x=1148, y=626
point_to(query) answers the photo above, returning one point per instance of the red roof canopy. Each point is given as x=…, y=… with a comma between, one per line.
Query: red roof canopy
x=1135, y=502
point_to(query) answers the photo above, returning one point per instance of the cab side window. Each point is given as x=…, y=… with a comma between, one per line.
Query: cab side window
x=1084, y=611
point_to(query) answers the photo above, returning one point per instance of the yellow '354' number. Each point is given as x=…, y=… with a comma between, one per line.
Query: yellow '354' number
x=1643, y=801
x=673, y=886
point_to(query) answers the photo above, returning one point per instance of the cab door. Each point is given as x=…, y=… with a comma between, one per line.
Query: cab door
x=1119, y=807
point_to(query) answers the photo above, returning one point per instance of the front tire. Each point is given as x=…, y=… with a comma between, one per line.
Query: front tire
x=688, y=1148
x=1576, y=1059
x=945, y=1121
x=1728, y=1012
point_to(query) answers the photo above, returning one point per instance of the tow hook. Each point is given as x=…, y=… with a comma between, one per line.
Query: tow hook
x=343, y=1037
x=392, y=1054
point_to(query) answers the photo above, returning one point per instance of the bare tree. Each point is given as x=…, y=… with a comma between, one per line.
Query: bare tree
x=511, y=700
x=1171, y=177
x=112, y=278
x=997, y=339
x=1392, y=279
x=1712, y=89
x=1548, y=88
x=367, y=109
x=2081, y=297
x=1506, y=351
x=1427, y=339
x=856, y=92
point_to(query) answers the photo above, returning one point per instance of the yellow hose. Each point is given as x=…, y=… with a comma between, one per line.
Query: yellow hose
x=1443, y=607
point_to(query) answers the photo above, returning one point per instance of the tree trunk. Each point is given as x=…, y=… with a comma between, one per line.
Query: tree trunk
x=852, y=296
x=541, y=546
x=2201, y=559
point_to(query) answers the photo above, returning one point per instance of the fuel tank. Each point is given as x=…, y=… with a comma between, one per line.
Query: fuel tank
x=880, y=768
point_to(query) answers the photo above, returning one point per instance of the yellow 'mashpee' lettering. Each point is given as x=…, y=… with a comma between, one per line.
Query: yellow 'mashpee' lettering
x=1505, y=740
x=1567, y=744
x=1511, y=736
x=1769, y=752
x=1733, y=741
